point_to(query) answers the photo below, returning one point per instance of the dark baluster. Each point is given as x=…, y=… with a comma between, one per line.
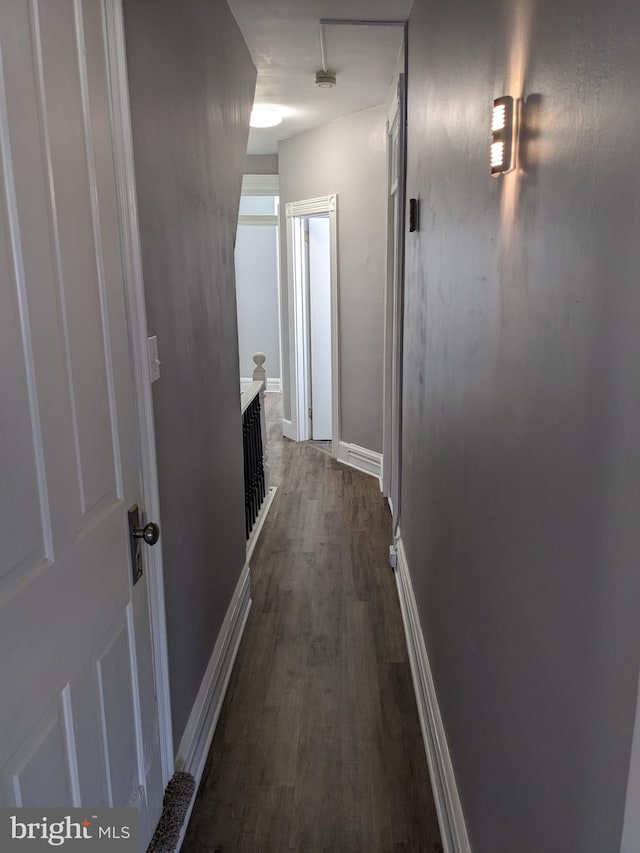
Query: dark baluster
x=260, y=472
x=254, y=447
x=254, y=465
x=247, y=473
x=254, y=478
x=254, y=461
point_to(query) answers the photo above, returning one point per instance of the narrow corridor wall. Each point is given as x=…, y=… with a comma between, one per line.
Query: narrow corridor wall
x=192, y=82
x=521, y=471
x=347, y=157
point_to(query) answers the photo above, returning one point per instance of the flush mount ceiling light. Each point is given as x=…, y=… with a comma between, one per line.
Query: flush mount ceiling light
x=264, y=117
x=325, y=79
x=503, y=135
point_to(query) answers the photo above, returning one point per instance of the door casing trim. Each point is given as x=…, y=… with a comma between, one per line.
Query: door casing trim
x=296, y=211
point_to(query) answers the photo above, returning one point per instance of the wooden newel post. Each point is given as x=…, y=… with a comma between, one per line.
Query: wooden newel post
x=260, y=375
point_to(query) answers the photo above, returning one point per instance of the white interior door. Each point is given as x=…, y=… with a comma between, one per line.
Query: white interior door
x=320, y=327
x=78, y=717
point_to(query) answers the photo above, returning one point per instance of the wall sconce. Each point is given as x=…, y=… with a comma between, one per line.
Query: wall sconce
x=503, y=135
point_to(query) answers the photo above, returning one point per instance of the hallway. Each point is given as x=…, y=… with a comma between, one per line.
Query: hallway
x=318, y=746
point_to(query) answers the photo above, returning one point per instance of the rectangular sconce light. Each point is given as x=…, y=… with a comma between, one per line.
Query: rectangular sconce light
x=503, y=136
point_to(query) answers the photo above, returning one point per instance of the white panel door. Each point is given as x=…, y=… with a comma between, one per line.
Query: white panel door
x=320, y=327
x=75, y=729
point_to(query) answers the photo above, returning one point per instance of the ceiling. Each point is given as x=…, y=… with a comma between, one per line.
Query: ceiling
x=284, y=39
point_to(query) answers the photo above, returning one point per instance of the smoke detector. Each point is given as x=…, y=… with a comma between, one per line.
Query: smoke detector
x=325, y=79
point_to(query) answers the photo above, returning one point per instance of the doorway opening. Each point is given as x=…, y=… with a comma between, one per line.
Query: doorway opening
x=313, y=320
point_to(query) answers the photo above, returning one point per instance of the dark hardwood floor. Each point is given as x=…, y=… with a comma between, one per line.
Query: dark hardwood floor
x=318, y=747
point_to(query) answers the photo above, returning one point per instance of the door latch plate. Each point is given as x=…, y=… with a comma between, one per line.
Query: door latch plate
x=135, y=544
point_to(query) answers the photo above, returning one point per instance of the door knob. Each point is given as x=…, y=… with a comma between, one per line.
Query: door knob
x=150, y=533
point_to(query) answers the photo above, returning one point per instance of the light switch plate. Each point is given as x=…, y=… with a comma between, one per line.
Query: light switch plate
x=154, y=361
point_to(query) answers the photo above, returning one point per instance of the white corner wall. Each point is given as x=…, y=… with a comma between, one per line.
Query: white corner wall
x=257, y=297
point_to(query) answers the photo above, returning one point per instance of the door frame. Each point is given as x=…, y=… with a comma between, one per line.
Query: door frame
x=392, y=191
x=122, y=141
x=394, y=304
x=296, y=212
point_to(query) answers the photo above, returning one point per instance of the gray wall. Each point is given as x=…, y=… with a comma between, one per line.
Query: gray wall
x=192, y=84
x=347, y=157
x=521, y=471
x=261, y=164
x=257, y=297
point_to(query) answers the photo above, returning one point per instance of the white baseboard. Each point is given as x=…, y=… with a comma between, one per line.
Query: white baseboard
x=445, y=791
x=274, y=385
x=259, y=523
x=288, y=430
x=359, y=457
x=198, y=734
x=631, y=825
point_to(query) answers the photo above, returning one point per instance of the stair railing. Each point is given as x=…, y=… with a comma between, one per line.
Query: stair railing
x=254, y=443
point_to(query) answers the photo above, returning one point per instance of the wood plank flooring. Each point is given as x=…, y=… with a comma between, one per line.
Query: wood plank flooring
x=318, y=747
